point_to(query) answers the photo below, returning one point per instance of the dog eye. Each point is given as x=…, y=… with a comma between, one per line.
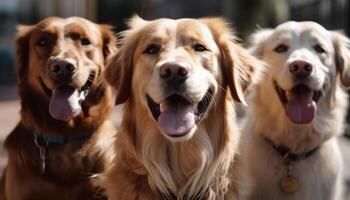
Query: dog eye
x=152, y=49
x=43, y=42
x=199, y=47
x=85, y=41
x=319, y=49
x=281, y=48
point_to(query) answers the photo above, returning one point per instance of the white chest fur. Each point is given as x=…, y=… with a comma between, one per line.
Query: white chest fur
x=319, y=175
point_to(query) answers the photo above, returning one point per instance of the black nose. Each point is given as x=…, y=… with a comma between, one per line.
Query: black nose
x=173, y=72
x=300, y=69
x=61, y=68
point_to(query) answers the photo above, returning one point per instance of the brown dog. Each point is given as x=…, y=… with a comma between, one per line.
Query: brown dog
x=178, y=137
x=59, y=140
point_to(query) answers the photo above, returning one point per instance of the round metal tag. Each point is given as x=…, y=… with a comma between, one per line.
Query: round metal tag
x=289, y=184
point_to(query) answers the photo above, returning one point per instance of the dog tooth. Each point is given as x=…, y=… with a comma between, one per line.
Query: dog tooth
x=287, y=94
x=82, y=95
x=162, y=107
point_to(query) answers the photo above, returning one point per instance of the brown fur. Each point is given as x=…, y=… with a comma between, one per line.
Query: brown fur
x=148, y=165
x=69, y=165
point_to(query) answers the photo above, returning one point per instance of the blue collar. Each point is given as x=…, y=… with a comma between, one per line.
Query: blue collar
x=60, y=139
x=42, y=141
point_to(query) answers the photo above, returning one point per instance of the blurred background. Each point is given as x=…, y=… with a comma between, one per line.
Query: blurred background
x=245, y=15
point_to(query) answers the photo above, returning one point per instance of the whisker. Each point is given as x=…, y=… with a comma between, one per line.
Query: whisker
x=209, y=97
x=223, y=89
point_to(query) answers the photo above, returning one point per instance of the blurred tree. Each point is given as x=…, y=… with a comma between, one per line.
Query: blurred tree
x=116, y=12
x=332, y=14
x=250, y=14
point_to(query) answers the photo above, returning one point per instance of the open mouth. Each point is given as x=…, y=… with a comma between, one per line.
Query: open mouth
x=300, y=103
x=176, y=116
x=65, y=101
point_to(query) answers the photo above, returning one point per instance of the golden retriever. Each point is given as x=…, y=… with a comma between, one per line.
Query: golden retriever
x=178, y=137
x=60, y=139
x=290, y=147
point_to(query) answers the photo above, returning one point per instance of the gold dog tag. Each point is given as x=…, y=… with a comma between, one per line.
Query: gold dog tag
x=289, y=184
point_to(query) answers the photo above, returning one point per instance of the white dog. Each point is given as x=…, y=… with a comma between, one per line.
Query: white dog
x=289, y=146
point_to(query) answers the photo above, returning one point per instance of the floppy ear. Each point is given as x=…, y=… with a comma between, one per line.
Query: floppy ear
x=342, y=56
x=120, y=66
x=118, y=74
x=240, y=69
x=109, y=40
x=258, y=40
x=22, y=49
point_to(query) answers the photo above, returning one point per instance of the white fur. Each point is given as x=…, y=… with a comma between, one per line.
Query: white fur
x=320, y=174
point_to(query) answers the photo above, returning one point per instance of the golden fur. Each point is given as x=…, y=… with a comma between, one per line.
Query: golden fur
x=68, y=165
x=150, y=164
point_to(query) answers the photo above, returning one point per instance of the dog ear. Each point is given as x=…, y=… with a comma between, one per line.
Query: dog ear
x=240, y=69
x=22, y=49
x=257, y=42
x=109, y=40
x=342, y=56
x=120, y=67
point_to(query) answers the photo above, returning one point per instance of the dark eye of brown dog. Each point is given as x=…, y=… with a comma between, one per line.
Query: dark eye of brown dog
x=152, y=49
x=281, y=48
x=319, y=49
x=42, y=42
x=199, y=47
x=85, y=41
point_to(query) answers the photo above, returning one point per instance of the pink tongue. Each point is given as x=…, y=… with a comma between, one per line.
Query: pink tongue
x=64, y=103
x=176, y=119
x=300, y=108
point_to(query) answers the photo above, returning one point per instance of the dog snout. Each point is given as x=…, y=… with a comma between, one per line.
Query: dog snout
x=175, y=73
x=61, y=68
x=300, y=69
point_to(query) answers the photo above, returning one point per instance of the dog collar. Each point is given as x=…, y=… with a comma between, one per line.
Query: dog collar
x=59, y=139
x=289, y=183
x=42, y=141
x=287, y=154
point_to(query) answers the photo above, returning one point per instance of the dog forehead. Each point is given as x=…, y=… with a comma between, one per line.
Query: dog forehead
x=161, y=27
x=50, y=24
x=192, y=27
x=301, y=30
x=178, y=28
x=69, y=25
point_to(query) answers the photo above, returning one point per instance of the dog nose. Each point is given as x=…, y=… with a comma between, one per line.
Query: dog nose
x=62, y=68
x=174, y=72
x=300, y=69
